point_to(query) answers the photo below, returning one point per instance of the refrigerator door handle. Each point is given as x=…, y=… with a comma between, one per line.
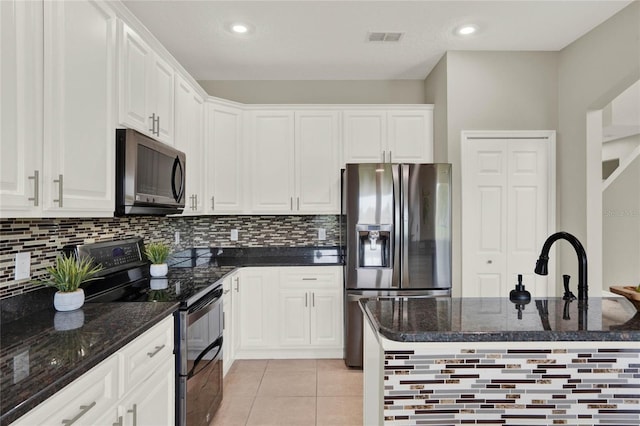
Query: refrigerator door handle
x=397, y=225
x=404, y=250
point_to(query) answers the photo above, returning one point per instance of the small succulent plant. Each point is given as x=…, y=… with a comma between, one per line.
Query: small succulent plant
x=68, y=272
x=157, y=253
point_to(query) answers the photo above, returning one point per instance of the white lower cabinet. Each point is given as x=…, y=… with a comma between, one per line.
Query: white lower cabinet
x=290, y=312
x=134, y=386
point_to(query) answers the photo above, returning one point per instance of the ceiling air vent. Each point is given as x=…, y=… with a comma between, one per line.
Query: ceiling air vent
x=378, y=36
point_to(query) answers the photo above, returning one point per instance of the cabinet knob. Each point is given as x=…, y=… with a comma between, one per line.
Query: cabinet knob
x=489, y=262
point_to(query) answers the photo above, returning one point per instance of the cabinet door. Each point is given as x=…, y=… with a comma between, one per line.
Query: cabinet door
x=78, y=97
x=317, y=162
x=293, y=317
x=153, y=402
x=410, y=137
x=224, y=160
x=21, y=41
x=161, y=100
x=134, y=74
x=188, y=138
x=326, y=317
x=82, y=402
x=272, y=161
x=258, y=288
x=365, y=136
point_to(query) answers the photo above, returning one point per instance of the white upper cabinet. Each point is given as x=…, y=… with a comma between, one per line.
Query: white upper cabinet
x=317, y=143
x=272, y=161
x=388, y=135
x=224, y=160
x=410, y=136
x=57, y=148
x=21, y=41
x=145, y=88
x=189, y=136
x=294, y=161
x=78, y=135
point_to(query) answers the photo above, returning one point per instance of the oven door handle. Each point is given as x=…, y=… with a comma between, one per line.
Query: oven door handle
x=218, y=343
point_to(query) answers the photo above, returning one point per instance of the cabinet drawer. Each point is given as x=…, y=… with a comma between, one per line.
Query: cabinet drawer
x=146, y=353
x=82, y=402
x=310, y=277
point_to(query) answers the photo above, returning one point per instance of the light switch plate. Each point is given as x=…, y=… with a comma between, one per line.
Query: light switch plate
x=23, y=266
x=234, y=235
x=322, y=234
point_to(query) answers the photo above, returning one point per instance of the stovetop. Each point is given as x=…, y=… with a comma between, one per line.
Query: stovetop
x=125, y=277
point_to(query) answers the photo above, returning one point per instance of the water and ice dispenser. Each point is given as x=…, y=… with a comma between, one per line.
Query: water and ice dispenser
x=374, y=246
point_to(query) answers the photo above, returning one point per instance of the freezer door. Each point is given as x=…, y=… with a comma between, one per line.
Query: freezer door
x=354, y=318
x=426, y=226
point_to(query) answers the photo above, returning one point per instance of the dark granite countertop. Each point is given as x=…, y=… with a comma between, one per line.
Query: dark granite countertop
x=498, y=319
x=39, y=357
x=37, y=360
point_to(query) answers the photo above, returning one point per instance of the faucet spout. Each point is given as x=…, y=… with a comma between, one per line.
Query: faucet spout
x=543, y=260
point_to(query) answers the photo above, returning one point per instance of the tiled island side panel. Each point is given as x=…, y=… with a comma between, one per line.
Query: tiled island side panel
x=477, y=385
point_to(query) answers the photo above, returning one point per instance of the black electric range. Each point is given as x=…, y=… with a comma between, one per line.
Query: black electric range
x=194, y=282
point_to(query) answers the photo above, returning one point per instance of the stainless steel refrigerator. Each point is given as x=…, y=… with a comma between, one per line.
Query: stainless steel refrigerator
x=398, y=237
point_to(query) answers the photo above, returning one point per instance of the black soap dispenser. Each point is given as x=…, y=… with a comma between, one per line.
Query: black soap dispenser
x=520, y=296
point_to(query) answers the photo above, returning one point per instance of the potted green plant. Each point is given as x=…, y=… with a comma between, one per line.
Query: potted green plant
x=66, y=275
x=157, y=253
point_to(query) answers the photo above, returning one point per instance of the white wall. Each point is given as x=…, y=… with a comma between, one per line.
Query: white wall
x=317, y=91
x=494, y=91
x=435, y=92
x=592, y=71
x=621, y=229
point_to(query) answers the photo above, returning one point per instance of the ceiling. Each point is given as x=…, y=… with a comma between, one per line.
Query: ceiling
x=327, y=40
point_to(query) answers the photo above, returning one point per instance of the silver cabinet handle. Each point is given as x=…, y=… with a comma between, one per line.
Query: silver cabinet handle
x=390, y=161
x=306, y=296
x=60, y=183
x=195, y=199
x=309, y=279
x=157, y=349
x=383, y=157
x=237, y=281
x=157, y=125
x=298, y=201
x=134, y=411
x=119, y=422
x=213, y=203
x=152, y=117
x=83, y=411
x=291, y=202
x=313, y=299
x=36, y=187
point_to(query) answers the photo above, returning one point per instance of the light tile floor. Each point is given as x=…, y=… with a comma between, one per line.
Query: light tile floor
x=297, y=392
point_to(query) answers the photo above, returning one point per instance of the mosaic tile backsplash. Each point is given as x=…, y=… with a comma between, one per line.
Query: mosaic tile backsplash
x=512, y=386
x=45, y=237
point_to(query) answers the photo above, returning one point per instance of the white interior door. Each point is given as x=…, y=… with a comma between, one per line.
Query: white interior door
x=507, y=211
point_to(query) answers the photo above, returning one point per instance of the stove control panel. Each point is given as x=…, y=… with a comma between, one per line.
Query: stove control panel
x=112, y=254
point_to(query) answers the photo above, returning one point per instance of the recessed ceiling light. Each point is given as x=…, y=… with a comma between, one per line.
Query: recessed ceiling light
x=239, y=28
x=466, y=30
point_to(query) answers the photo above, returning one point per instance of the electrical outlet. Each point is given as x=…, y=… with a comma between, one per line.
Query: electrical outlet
x=176, y=237
x=23, y=266
x=234, y=235
x=322, y=234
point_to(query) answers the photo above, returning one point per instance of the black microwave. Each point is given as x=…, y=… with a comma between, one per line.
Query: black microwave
x=150, y=176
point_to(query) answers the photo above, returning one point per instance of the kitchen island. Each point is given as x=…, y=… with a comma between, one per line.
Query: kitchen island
x=471, y=361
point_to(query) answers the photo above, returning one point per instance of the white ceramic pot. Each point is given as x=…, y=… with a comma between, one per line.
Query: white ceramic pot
x=68, y=301
x=159, y=270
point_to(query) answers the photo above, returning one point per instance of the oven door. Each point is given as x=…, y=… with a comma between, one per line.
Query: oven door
x=200, y=361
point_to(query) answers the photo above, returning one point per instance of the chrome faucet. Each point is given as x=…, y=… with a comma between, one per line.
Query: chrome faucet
x=543, y=260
